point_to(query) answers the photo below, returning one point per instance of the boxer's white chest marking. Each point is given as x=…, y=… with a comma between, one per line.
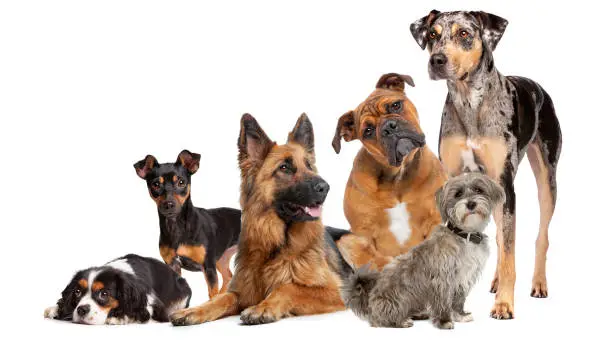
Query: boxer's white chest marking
x=398, y=222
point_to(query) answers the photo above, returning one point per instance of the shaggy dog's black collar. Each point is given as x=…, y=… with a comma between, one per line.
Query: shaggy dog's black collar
x=474, y=237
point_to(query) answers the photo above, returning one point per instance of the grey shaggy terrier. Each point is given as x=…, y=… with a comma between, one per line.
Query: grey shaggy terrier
x=435, y=277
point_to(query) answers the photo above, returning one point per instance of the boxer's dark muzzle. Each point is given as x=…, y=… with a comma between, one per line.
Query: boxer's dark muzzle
x=398, y=139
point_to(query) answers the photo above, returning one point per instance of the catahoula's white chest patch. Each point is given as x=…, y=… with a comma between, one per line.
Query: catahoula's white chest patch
x=398, y=222
x=469, y=162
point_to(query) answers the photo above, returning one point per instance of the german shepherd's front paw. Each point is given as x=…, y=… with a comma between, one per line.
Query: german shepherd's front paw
x=502, y=310
x=260, y=314
x=191, y=316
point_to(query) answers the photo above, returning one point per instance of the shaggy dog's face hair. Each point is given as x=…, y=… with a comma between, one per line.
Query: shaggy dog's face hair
x=285, y=175
x=467, y=200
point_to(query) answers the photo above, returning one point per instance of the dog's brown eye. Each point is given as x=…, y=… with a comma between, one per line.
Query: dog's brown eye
x=181, y=183
x=155, y=185
x=77, y=293
x=459, y=193
x=285, y=168
x=433, y=35
x=103, y=295
x=395, y=107
x=478, y=190
x=368, y=132
x=464, y=34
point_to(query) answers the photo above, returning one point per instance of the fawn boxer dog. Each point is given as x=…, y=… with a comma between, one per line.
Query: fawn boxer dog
x=390, y=193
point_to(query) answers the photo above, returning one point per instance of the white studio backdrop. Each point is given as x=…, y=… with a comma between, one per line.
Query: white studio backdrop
x=87, y=88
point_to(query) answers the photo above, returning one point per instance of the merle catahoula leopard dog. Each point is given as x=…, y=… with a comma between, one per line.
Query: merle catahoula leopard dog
x=489, y=123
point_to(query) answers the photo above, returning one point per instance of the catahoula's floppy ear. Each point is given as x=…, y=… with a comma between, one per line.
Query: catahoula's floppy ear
x=420, y=28
x=492, y=27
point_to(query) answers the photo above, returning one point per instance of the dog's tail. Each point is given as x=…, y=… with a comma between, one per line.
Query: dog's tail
x=356, y=290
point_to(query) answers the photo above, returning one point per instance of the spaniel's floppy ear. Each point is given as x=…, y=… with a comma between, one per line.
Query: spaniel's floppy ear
x=303, y=133
x=345, y=129
x=394, y=81
x=253, y=143
x=420, y=28
x=190, y=161
x=145, y=166
x=491, y=26
x=132, y=298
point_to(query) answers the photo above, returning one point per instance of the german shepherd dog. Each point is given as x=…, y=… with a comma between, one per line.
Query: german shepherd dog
x=287, y=263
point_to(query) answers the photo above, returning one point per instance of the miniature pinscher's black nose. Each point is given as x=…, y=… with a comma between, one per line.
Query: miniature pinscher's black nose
x=168, y=205
x=438, y=59
x=83, y=310
x=321, y=186
x=471, y=205
x=389, y=127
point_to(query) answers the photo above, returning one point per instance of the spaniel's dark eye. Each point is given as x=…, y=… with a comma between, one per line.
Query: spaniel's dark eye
x=463, y=34
x=478, y=190
x=395, y=107
x=459, y=193
x=181, y=183
x=156, y=185
x=77, y=293
x=368, y=132
x=103, y=295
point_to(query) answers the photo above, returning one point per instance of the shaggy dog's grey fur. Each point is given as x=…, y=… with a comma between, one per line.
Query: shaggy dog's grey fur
x=435, y=277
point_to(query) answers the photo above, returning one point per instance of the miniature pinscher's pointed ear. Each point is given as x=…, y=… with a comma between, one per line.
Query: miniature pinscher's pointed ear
x=303, y=133
x=420, y=28
x=345, y=129
x=145, y=166
x=394, y=81
x=253, y=143
x=491, y=26
x=190, y=161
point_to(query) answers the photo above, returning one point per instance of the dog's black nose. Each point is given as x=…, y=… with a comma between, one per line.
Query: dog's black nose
x=321, y=186
x=83, y=310
x=471, y=205
x=438, y=59
x=389, y=127
x=168, y=205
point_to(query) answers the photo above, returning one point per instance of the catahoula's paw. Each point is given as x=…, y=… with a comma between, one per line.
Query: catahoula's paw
x=502, y=310
x=539, y=288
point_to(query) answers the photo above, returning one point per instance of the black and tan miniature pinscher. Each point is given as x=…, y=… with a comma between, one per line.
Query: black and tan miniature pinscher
x=192, y=238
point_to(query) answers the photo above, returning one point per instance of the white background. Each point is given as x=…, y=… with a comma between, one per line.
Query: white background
x=88, y=88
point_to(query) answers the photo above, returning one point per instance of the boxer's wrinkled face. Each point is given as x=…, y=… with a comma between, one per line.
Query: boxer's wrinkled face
x=387, y=123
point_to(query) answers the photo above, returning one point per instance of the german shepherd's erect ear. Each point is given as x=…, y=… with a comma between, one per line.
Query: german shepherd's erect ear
x=303, y=134
x=253, y=143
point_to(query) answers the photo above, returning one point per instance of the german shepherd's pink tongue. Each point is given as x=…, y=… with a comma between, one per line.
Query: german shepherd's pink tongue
x=313, y=211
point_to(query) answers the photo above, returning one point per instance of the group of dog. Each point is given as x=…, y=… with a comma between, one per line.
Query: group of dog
x=416, y=244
